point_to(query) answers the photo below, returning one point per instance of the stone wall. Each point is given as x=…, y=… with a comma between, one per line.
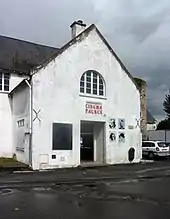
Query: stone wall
x=142, y=86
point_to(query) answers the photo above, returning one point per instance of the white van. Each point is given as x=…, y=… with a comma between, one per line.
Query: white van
x=155, y=148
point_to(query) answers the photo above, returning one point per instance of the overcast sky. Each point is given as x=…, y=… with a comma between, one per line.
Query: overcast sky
x=138, y=31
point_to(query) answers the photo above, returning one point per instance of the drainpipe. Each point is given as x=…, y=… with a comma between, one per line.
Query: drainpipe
x=31, y=116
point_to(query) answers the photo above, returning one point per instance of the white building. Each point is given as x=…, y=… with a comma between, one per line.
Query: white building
x=80, y=104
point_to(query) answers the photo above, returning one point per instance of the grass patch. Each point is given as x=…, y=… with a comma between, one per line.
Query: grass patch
x=10, y=163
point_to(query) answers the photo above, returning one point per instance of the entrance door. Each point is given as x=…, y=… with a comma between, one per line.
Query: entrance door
x=92, y=142
x=99, y=142
x=87, y=142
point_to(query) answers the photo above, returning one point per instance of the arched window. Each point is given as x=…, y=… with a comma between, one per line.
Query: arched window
x=92, y=83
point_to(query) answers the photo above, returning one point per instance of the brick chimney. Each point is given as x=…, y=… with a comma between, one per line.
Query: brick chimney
x=77, y=27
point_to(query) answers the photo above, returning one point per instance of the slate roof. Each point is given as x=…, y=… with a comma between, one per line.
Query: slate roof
x=21, y=56
x=150, y=118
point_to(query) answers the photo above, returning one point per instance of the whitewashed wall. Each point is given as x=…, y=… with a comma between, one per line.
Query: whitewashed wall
x=21, y=112
x=6, y=142
x=151, y=127
x=56, y=96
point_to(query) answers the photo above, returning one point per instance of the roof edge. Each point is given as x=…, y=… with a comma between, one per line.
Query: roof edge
x=26, y=41
x=117, y=58
x=79, y=38
x=16, y=88
x=9, y=71
x=63, y=48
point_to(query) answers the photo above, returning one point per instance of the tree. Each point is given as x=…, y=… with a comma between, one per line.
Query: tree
x=164, y=125
x=166, y=105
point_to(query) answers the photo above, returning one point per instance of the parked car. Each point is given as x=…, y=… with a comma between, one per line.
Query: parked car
x=168, y=144
x=155, y=148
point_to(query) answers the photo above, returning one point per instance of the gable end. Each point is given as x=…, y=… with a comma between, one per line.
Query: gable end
x=79, y=38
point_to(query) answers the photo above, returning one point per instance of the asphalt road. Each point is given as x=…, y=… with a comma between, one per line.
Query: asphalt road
x=144, y=195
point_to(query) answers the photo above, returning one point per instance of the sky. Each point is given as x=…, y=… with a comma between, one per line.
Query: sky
x=138, y=31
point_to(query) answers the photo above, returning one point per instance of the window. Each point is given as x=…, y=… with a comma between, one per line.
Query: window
x=162, y=144
x=148, y=144
x=4, y=82
x=62, y=136
x=92, y=83
x=20, y=123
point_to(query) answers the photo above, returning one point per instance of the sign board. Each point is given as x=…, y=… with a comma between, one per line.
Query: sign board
x=93, y=108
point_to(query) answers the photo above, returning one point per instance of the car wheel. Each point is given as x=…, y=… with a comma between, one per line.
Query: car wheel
x=151, y=155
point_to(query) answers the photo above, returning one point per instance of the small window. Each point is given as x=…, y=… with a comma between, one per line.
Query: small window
x=62, y=136
x=4, y=82
x=21, y=123
x=92, y=83
x=53, y=156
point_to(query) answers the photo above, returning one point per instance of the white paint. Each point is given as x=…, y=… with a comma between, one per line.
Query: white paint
x=143, y=161
x=6, y=141
x=21, y=135
x=56, y=95
x=151, y=127
x=76, y=29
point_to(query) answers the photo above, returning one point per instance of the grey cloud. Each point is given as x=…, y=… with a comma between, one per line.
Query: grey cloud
x=143, y=44
x=144, y=26
x=155, y=99
x=138, y=30
x=44, y=21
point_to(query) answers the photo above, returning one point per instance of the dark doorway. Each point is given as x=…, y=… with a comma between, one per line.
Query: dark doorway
x=131, y=154
x=87, y=142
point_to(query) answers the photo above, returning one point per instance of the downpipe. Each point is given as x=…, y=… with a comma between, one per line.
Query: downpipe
x=30, y=121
